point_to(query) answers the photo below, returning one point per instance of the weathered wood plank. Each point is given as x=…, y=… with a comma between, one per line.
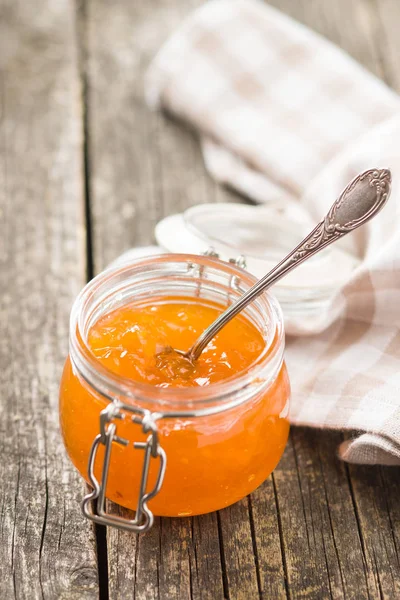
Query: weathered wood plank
x=306, y=532
x=352, y=26
x=323, y=551
x=46, y=548
x=387, y=25
x=240, y=560
x=268, y=542
x=178, y=558
x=144, y=166
x=378, y=527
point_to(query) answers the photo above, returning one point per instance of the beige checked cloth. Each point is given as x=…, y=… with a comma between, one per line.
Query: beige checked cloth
x=283, y=116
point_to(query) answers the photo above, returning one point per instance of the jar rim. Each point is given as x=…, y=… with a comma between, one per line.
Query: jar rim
x=112, y=386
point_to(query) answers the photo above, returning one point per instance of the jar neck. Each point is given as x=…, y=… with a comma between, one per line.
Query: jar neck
x=184, y=276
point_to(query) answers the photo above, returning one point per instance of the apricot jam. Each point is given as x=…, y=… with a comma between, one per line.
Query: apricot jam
x=129, y=340
x=233, y=423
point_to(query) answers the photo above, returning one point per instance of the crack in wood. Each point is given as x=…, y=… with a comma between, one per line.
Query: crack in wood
x=254, y=544
x=222, y=558
x=83, y=65
x=102, y=560
x=359, y=528
x=15, y=515
x=281, y=538
x=332, y=529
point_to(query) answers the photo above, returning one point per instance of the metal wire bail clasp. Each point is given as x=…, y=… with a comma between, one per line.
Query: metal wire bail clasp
x=144, y=518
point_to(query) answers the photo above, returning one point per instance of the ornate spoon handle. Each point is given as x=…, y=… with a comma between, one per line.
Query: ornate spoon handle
x=361, y=200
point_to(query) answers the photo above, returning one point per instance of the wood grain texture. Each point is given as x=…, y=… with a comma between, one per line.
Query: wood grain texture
x=143, y=166
x=387, y=18
x=317, y=528
x=46, y=549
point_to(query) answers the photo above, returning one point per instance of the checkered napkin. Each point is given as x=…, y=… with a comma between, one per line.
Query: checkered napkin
x=283, y=116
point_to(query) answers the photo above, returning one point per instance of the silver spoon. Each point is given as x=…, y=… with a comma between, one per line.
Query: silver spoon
x=361, y=200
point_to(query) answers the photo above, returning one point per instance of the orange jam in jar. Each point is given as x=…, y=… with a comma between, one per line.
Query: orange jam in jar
x=153, y=432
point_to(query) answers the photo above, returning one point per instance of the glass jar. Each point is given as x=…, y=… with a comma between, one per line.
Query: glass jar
x=174, y=451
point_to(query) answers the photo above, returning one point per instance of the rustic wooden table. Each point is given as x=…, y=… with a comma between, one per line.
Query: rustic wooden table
x=85, y=173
